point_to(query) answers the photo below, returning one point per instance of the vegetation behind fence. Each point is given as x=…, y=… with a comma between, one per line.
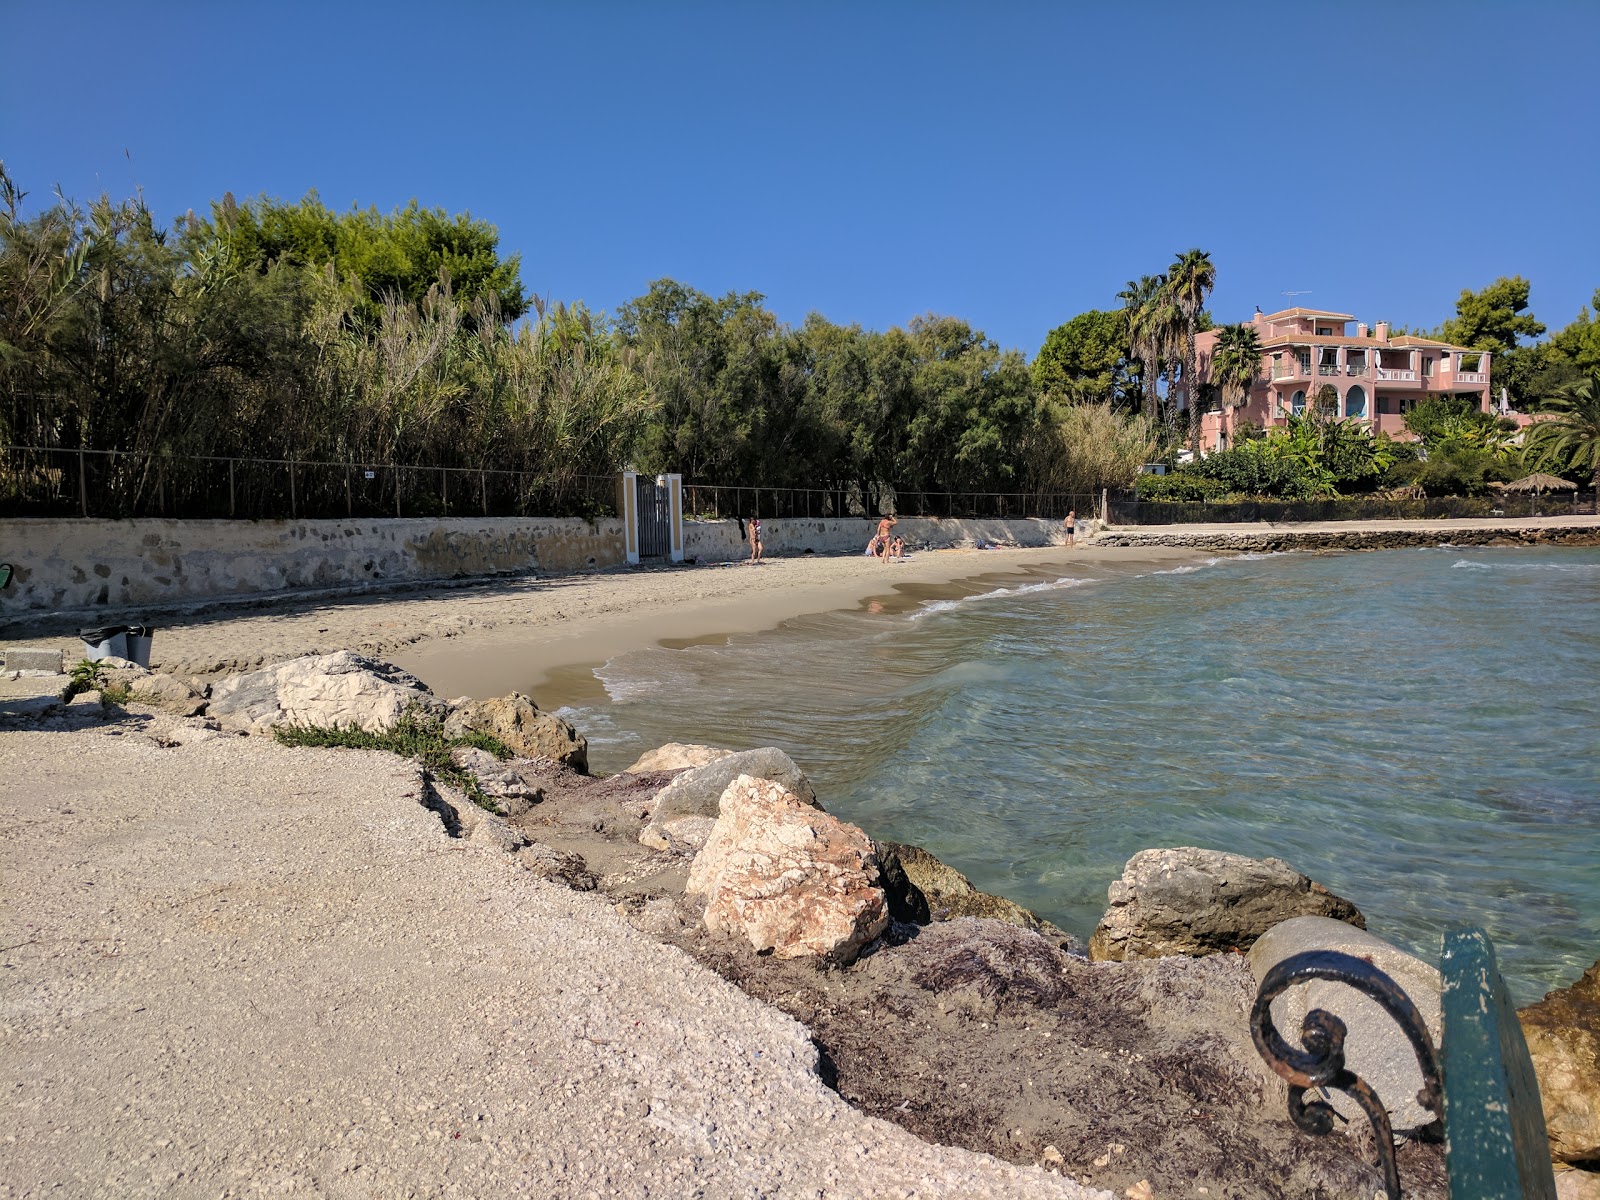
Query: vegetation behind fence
x=1128, y=509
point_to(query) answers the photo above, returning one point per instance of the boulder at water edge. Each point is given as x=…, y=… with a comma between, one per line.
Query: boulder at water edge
x=794, y=880
x=676, y=756
x=517, y=721
x=342, y=690
x=1192, y=901
x=683, y=812
x=1375, y=1047
x=923, y=889
x=1563, y=1034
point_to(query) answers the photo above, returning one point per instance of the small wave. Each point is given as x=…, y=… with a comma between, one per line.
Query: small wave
x=1471, y=565
x=636, y=676
x=597, y=725
x=1027, y=589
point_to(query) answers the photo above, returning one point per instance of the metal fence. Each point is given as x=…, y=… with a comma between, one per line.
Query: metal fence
x=43, y=482
x=706, y=501
x=1128, y=509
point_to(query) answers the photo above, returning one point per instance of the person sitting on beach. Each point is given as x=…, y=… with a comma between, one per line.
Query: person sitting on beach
x=897, y=549
x=755, y=539
x=873, y=547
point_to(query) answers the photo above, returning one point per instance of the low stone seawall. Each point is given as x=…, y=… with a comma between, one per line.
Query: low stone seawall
x=1268, y=539
x=86, y=563
x=722, y=541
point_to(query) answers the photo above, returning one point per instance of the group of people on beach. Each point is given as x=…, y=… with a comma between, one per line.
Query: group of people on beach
x=885, y=547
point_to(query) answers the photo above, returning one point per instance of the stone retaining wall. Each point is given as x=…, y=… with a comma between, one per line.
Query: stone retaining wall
x=87, y=563
x=722, y=541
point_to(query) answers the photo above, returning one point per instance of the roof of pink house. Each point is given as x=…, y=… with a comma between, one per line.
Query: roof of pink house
x=1405, y=342
x=1307, y=312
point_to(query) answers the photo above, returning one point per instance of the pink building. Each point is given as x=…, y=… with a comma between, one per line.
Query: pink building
x=1377, y=377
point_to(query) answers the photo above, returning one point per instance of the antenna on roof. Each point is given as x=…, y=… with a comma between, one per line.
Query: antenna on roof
x=1307, y=292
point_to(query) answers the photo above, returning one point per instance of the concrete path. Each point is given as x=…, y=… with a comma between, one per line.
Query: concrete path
x=234, y=969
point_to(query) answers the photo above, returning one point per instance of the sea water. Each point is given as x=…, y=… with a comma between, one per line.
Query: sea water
x=1416, y=729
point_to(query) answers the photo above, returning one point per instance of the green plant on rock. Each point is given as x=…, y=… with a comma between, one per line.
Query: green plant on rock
x=87, y=676
x=417, y=736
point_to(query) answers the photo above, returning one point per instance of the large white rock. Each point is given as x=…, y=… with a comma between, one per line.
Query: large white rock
x=342, y=690
x=791, y=878
x=1374, y=1047
x=683, y=813
x=675, y=756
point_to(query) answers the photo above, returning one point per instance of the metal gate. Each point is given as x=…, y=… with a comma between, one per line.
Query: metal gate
x=655, y=519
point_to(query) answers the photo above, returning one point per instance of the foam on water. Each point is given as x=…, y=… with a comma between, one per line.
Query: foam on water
x=1027, y=589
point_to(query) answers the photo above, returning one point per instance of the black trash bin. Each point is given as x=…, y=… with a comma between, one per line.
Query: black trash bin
x=106, y=641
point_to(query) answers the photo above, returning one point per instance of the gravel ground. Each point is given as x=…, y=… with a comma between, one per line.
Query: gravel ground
x=235, y=969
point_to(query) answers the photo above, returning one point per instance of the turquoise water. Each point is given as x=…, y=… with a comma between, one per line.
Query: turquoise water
x=1416, y=729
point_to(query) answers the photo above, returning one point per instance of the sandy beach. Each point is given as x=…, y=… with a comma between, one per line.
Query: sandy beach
x=489, y=638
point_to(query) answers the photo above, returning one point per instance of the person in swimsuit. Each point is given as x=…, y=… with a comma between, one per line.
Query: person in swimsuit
x=755, y=539
x=1071, y=526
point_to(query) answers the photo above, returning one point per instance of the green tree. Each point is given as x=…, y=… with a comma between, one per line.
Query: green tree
x=1579, y=342
x=1493, y=319
x=399, y=254
x=1145, y=332
x=1190, y=279
x=1569, y=441
x=1086, y=360
x=1236, y=363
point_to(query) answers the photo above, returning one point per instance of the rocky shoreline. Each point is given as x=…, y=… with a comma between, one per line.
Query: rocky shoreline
x=1268, y=539
x=957, y=1015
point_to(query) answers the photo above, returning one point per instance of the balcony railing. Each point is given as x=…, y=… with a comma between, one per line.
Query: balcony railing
x=1471, y=377
x=1292, y=371
x=1357, y=368
x=1395, y=373
x=1327, y=368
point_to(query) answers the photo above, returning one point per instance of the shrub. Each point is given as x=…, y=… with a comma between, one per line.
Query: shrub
x=415, y=736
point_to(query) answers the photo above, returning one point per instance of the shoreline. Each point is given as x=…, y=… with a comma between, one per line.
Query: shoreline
x=562, y=624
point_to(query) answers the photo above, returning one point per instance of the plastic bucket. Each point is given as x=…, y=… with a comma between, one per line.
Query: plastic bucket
x=139, y=639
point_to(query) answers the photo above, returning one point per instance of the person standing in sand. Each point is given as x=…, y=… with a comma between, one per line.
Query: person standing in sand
x=1070, y=524
x=755, y=539
x=886, y=524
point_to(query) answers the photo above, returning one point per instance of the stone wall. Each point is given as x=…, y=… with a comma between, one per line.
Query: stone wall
x=721, y=541
x=78, y=563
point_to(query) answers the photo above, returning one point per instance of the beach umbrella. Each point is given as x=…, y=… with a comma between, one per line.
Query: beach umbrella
x=1540, y=482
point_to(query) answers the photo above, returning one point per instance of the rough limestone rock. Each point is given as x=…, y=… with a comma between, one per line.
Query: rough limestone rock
x=675, y=756
x=500, y=781
x=342, y=690
x=1375, y=1047
x=1563, y=1034
x=917, y=882
x=792, y=879
x=493, y=831
x=517, y=721
x=158, y=690
x=1577, y=1185
x=683, y=812
x=1192, y=901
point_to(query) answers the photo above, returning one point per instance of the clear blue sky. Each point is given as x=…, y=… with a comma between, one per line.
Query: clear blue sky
x=1012, y=164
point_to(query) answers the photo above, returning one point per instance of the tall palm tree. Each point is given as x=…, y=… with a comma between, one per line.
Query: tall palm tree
x=1235, y=366
x=1190, y=279
x=1572, y=436
x=1140, y=310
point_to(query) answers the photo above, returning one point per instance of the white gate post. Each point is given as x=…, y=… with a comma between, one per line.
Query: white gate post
x=628, y=510
x=674, y=486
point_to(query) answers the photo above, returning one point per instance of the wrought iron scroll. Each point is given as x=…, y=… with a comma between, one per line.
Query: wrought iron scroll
x=1321, y=1063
